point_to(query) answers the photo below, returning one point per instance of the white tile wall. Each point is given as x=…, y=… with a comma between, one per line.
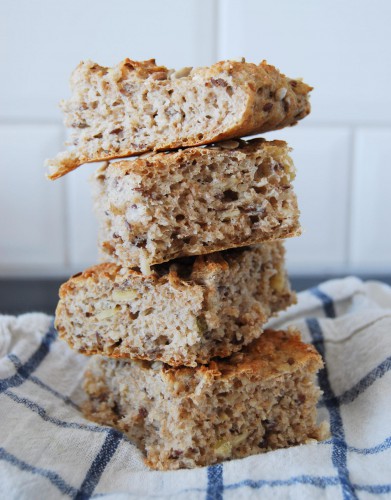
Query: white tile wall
x=83, y=228
x=371, y=200
x=342, y=48
x=322, y=159
x=42, y=42
x=31, y=207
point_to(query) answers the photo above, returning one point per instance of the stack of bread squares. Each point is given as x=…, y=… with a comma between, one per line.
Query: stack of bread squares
x=192, y=219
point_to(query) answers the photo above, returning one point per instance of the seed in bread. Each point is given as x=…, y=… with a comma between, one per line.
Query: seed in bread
x=138, y=106
x=185, y=313
x=258, y=400
x=195, y=201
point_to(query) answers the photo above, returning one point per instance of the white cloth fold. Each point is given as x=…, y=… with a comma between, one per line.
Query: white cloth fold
x=48, y=450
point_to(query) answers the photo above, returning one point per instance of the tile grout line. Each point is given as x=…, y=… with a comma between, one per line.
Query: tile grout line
x=29, y=121
x=65, y=219
x=309, y=123
x=216, y=11
x=350, y=199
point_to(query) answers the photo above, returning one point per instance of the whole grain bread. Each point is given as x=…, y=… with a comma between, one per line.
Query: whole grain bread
x=186, y=312
x=138, y=106
x=195, y=201
x=258, y=400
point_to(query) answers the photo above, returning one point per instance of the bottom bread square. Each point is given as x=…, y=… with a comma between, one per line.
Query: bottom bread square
x=258, y=400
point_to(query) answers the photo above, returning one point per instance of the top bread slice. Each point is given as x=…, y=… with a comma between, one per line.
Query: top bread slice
x=136, y=107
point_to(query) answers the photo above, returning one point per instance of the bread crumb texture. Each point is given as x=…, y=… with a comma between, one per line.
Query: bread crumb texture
x=136, y=107
x=187, y=312
x=258, y=400
x=195, y=201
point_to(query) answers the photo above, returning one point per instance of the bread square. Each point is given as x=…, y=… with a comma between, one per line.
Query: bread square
x=258, y=400
x=195, y=201
x=138, y=106
x=186, y=312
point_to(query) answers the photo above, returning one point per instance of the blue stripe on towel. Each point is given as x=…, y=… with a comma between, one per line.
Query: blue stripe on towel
x=215, y=485
x=317, y=481
x=339, y=451
x=26, y=369
x=53, y=477
x=327, y=302
x=376, y=489
x=351, y=394
x=99, y=465
x=372, y=450
x=35, y=380
x=39, y=410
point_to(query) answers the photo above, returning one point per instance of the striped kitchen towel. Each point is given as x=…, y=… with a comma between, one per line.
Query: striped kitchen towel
x=48, y=450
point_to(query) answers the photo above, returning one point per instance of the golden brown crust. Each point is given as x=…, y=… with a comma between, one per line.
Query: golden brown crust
x=202, y=266
x=263, y=85
x=96, y=273
x=220, y=247
x=275, y=352
x=159, y=160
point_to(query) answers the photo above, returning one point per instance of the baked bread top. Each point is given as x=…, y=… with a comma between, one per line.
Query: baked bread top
x=193, y=269
x=274, y=353
x=157, y=164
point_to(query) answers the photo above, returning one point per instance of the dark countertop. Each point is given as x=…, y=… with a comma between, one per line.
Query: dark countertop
x=18, y=296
